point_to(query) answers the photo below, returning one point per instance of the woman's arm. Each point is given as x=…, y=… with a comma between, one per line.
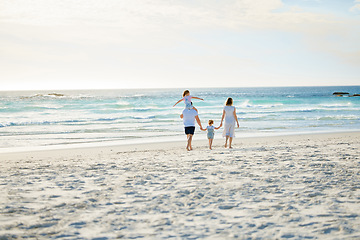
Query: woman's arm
x=236, y=117
x=222, y=118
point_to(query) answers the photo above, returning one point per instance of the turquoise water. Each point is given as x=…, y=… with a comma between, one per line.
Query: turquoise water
x=58, y=118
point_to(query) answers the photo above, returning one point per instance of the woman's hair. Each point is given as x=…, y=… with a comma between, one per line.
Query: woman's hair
x=211, y=122
x=185, y=92
x=229, y=102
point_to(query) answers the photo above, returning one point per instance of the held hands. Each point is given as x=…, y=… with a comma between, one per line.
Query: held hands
x=217, y=128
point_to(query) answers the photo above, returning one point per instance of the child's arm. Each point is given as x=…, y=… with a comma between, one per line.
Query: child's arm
x=197, y=98
x=203, y=129
x=217, y=128
x=178, y=102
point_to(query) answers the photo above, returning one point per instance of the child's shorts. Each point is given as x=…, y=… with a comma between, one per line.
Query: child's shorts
x=210, y=135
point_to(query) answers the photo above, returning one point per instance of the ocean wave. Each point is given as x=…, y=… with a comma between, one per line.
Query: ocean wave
x=54, y=96
x=122, y=103
x=247, y=104
x=48, y=95
x=124, y=119
x=11, y=124
x=145, y=117
x=336, y=105
x=45, y=122
x=338, y=117
x=107, y=119
x=45, y=106
x=143, y=109
x=274, y=128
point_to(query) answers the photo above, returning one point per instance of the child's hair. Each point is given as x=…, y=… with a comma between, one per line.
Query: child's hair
x=229, y=102
x=211, y=122
x=185, y=92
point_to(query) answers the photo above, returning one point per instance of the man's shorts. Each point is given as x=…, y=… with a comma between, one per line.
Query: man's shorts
x=189, y=130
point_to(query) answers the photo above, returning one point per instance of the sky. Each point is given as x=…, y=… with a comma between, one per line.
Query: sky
x=111, y=44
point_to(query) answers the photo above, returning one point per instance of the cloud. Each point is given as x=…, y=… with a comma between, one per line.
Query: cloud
x=158, y=21
x=151, y=14
x=174, y=39
x=356, y=7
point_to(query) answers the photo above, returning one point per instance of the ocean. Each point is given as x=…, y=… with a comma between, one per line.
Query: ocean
x=72, y=118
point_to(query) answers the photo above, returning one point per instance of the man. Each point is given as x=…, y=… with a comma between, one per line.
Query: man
x=189, y=116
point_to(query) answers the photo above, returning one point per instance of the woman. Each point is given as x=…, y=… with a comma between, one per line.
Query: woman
x=229, y=113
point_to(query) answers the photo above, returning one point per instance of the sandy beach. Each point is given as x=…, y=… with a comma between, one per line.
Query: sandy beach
x=285, y=187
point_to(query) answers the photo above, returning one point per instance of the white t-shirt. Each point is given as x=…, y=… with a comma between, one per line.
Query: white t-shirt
x=189, y=117
x=229, y=114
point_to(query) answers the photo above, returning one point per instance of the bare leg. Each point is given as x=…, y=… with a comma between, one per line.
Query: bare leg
x=195, y=108
x=188, y=147
x=230, y=141
x=210, y=143
x=191, y=137
x=188, y=142
x=226, y=140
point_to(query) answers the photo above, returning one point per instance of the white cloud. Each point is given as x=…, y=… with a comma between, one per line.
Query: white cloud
x=356, y=7
x=142, y=39
x=153, y=14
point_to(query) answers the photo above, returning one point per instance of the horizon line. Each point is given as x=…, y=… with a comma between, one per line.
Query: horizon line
x=154, y=88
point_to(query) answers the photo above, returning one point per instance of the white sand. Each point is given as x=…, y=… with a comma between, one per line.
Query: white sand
x=293, y=187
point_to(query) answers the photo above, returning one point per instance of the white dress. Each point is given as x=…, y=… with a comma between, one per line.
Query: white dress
x=229, y=126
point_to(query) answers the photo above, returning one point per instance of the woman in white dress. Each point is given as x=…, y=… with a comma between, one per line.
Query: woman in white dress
x=229, y=113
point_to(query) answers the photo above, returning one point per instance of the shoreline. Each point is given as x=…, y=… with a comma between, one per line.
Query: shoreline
x=36, y=121
x=167, y=145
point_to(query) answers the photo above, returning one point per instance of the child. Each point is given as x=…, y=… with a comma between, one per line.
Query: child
x=211, y=132
x=187, y=99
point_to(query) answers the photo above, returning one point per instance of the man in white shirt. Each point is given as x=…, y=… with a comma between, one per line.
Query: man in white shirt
x=189, y=116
